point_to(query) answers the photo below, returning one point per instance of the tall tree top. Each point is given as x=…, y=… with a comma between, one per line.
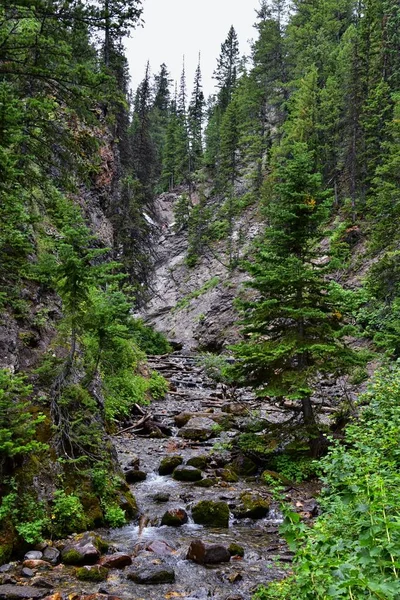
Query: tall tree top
x=227, y=66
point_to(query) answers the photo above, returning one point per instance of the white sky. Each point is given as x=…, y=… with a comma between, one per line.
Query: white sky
x=174, y=28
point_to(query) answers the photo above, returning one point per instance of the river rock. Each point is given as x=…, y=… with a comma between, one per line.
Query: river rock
x=187, y=473
x=235, y=408
x=6, y=568
x=17, y=592
x=199, y=429
x=252, y=505
x=207, y=554
x=175, y=517
x=26, y=572
x=206, y=483
x=160, y=548
x=228, y=475
x=200, y=462
x=33, y=555
x=84, y=550
x=213, y=514
x=115, y=561
x=36, y=564
x=134, y=475
x=152, y=574
x=134, y=461
x=92, y=573
x=42, y=583
x=235, y=549
x=169, y=464
x=244, y=466
x=51, y=555
x=161, y=497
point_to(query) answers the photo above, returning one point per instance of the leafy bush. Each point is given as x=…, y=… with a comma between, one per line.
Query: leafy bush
x=68, y=513
x=216, y=367
x=353, y=548
x=158, y=386
x=114, y=516
x=148, y=340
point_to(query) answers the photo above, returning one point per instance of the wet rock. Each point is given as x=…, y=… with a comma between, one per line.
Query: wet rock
x=6, y=568
x=235, y=577
x=169, y=464
x=182, y=419
x=115, y=561
x=134, y=461
x=244, y=466
x=160, y=548
x=92, y=573
x=84, y=550
x=51, y=555
x=128, y=503
x=161, y=497
x=206, y=483
x=17, y=592
x=199, y=429
x=187, y=473
x=235, y=549
x=26, y=572
x=200, y=462
x=33, y=555
x=228, y=475
x=175, y=517
x=267, y=474
x=252, y=505
x=213, y=514
x=134, y=475
x=152, y=574
x=207, y=554
x=41, y=565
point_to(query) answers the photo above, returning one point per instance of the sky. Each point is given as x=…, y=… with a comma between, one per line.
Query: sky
x=174, y=28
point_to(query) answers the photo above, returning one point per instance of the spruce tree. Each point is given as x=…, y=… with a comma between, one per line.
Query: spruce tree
x=227, y=68
x=293, y=326
x=196, y=117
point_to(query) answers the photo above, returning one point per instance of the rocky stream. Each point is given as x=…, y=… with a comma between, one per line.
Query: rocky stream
x=208, y=526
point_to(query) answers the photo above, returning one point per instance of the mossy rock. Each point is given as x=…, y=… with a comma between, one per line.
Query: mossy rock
x=174, y=517
x=235, y=549
x=169, y=464
x=200, y=462
x=8, y=540
x=244, y=466
x=127, y=502
x=213, y=514
x=267, y=474
x=228, y=476
x=187, y=473
x=93, y=512
x=94, y=573
x=252, y=506
x=205, y=483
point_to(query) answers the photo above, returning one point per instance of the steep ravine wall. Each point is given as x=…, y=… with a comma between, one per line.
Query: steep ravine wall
x=194, y=306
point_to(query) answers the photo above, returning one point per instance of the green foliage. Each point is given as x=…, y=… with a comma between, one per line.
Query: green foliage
x=352, y=550
x=27, y=515
x=18, y=420
x=216, y=367
x=157, y=386
x=295, y=468
x=67, y=513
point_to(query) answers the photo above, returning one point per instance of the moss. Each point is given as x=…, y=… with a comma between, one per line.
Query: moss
x=93, y=574
x=205, y=483
x=229, y=476
x=169, y=464
x=214, y=514
x=8, y=539
x=252, y=506
x=187, y=474
x=93, y=512
x=235, y=549
x=244, y=466
x=200, y=462
x=127, y=502
x=71, y=557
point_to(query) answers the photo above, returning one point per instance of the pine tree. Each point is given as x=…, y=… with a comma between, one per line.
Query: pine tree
x=227, y=68
x=196, y=117
x=294, y=324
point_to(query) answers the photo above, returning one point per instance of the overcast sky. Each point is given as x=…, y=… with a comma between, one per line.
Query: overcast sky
x=174, y=28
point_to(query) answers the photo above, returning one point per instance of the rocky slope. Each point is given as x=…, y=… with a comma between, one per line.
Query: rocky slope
x=194, y=306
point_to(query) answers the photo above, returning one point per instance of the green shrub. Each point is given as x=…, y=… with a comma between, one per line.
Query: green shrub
x=158, y=386
x=115, y=516
x=68, y=513
x=353, y=548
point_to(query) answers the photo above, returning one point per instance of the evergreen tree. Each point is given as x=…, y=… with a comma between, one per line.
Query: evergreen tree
x=196, y=117
x=227, y=68
x=294, y=325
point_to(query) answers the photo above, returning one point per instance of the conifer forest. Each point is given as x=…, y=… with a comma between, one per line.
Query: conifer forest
x=200, y=308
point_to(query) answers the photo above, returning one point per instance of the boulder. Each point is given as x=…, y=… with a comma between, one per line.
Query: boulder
x=169, y=464
x=187, y=473
x=175, y=517
x=41, y=565
x=200, y=462
x=199, y=429
x=161, y=497
x=83, y=550
x=152, y=574
x=94, y=573
x=33, y=555
x=51, y=555
x=244, y=466
x=228, y=475
x=206, y=483
x=134, y=475
x=17, y=592
x=235, y=408
x=115, y=561
x=213, y=514
x=27, y=573
x=160, y=548
x=207, y=554
x=252, y=505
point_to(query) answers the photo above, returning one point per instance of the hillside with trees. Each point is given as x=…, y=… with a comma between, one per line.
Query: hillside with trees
x=258, y=226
